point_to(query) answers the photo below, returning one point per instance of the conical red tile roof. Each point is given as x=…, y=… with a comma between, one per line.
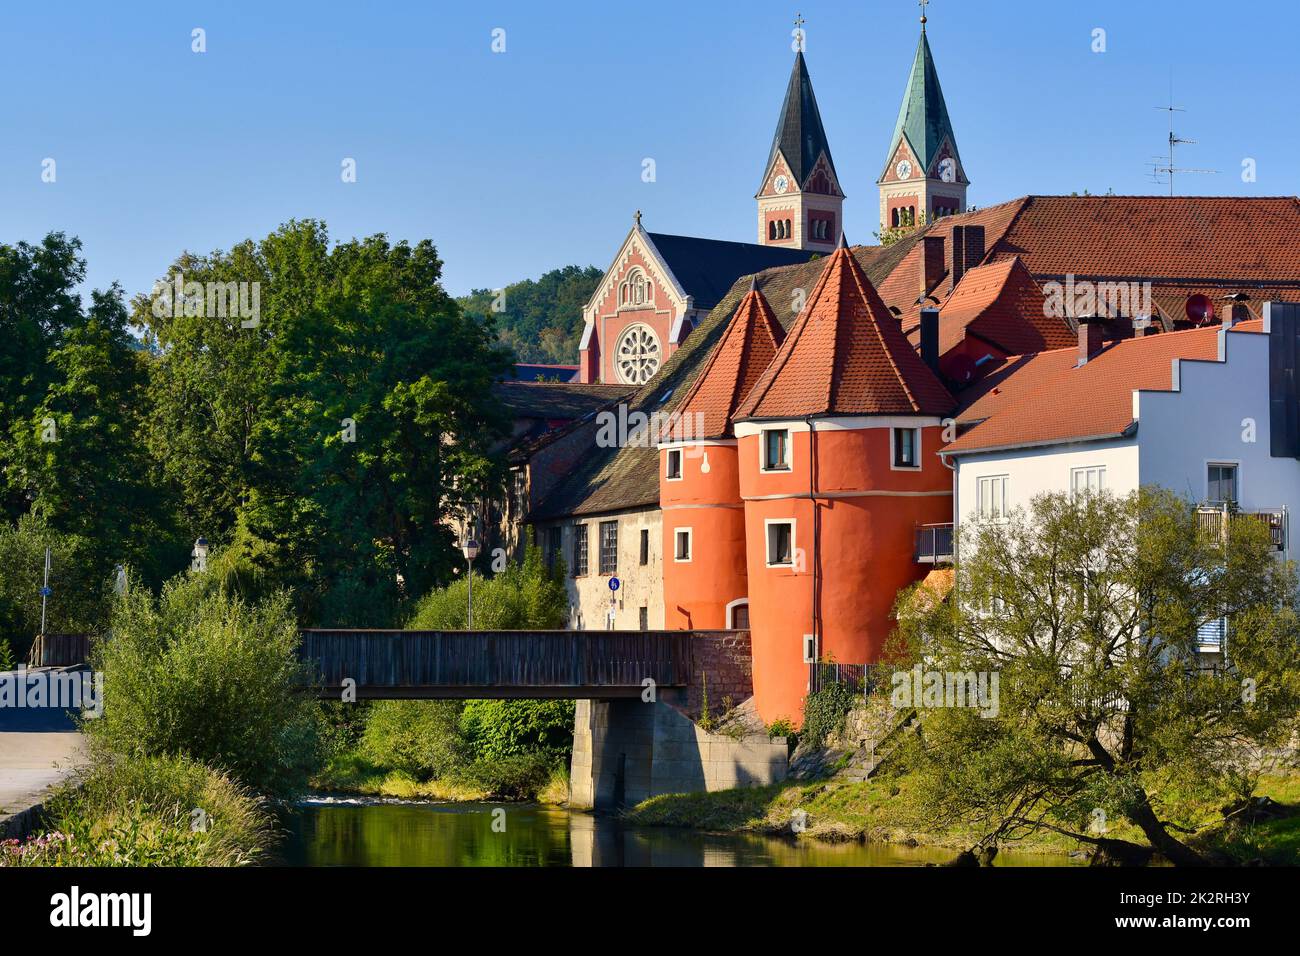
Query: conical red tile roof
x=845, y=355
x=744, y=352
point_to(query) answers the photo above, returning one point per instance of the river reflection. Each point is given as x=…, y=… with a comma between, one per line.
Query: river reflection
x=370, y=833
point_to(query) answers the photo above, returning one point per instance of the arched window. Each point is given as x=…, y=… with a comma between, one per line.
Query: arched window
x=636, y=290
x=771, y=229
x=894, y=218
x=780, y=228
x=789, y=232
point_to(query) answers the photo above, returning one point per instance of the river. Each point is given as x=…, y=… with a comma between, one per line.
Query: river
x=344, y=832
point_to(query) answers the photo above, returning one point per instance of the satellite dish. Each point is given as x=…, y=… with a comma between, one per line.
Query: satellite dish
x=1199, y=308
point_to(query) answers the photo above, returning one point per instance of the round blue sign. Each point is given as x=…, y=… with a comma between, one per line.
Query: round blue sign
x=614, y=584
x=46, y=592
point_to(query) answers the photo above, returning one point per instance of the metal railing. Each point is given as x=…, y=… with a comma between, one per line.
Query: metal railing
x=934, y=544
x=860, y=678
x=1215, y=519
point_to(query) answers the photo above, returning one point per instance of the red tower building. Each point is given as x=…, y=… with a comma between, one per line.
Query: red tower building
x=705, y=571
x=836, y=444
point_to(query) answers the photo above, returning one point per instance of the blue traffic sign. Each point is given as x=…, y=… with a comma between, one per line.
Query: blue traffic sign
x=614, y=584
x=46, y=592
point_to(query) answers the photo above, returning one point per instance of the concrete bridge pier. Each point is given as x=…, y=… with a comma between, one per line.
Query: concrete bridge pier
x=626, y=751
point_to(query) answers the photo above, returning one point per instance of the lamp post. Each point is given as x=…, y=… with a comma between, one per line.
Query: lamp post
x=470, y=550
x=200, y=555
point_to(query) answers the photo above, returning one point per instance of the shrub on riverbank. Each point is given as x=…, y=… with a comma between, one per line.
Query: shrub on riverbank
x=203, y=673
x=149, y=811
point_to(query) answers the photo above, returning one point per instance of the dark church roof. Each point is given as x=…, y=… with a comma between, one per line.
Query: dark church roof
x=799, y=132
x=708, y=268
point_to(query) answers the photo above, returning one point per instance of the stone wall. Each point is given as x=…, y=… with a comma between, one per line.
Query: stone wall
x=723, y=663
x=626, y=751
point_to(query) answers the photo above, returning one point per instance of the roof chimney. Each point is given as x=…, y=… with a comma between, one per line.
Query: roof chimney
x=930, y=338
x=1234, y=309
x=967, y=250
x=1090, y=328
x=931, y=262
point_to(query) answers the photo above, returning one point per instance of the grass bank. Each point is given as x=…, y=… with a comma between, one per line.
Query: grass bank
x=880, y=811
x=148, y=811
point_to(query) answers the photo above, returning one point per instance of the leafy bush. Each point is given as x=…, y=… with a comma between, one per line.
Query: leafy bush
x=516, y=777
x=202, y=673
x=824, y=712
x=497, y=729
x=781, y=727
x=7, y=662
x=152, y=811
x=525, y=596
x=421, y=737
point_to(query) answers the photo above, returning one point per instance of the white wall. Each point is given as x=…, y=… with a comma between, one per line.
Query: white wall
x=1033, y=471
x=1209, y=419
x=641, y=585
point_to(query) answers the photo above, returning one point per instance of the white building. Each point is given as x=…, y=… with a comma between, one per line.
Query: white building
x=1188, y=411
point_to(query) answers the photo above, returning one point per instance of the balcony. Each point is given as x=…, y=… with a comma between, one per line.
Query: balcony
x=1216, y=518
x=933, y=544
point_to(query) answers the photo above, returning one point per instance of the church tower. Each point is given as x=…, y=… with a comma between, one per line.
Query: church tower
x=923, y=173
x=800, y=205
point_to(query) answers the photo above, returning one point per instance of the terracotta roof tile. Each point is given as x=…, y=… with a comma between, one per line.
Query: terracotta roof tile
x=845, y=355
x=1045, y=398
x=746, y=349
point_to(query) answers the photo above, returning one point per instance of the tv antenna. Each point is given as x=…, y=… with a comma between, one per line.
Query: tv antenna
x=1174, y=140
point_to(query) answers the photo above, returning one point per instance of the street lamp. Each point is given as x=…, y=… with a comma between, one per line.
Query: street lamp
x=470, y=550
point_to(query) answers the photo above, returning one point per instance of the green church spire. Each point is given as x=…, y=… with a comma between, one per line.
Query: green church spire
x=923, y=118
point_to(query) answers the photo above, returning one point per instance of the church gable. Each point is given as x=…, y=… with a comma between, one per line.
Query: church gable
x=822, y=179
x=778, y=176
x=902, y=154
x=947, y=166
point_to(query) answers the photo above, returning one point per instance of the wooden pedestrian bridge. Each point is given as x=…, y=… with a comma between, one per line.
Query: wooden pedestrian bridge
x=477, y=664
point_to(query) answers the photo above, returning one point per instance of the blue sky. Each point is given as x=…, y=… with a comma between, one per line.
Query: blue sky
x=522, y=161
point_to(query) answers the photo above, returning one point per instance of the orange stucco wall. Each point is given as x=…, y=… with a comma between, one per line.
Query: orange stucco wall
x=706, y=500
x=861, y=550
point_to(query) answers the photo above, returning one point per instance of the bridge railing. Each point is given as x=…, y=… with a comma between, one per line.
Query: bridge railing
x=497, y=663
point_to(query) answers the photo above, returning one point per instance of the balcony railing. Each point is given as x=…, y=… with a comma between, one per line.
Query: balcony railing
x=934, y=544
x=859, y=678
x=1215, y=519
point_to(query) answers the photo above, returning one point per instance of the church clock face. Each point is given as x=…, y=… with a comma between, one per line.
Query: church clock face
x=637, y=355
x=781, y=184
x=948, y=170
x=903, y=169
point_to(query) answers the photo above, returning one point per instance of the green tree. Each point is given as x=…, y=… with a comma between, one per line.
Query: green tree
x=341, y=428
x=80, y=459
x=540, y=320
x=81, y=599
x=1087, y=609
x=525, y=596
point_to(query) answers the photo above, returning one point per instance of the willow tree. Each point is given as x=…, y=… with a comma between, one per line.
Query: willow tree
x=1088, y=608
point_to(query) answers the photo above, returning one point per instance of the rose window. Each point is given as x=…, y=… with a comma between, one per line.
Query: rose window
x=637, y=355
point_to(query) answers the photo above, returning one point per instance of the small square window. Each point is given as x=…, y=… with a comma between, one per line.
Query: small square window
x=674, y=464
x=907, y=447
x=1222, y=485
x=992, y=502
x=682, y=544
x=776, y=449
x=780, y=543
